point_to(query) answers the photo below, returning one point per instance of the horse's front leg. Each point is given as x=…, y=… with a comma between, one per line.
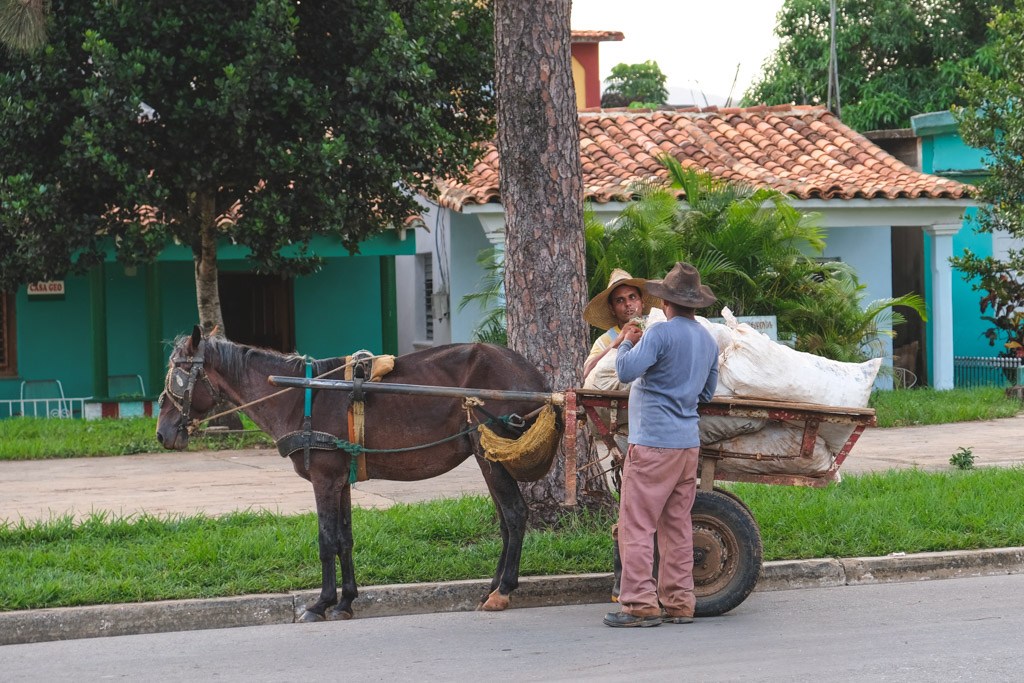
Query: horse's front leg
x=512, y=516
x=328, y=506
x=343, y=610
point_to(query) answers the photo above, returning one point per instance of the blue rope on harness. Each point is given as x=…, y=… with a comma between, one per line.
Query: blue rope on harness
x=309, y=391
x=307, y=412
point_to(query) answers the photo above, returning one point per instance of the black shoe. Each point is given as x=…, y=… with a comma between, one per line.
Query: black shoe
x=619, y=619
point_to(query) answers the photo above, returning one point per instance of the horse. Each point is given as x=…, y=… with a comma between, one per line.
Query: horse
x=205, y=370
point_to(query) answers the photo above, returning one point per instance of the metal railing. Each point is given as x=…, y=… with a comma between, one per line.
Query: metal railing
x=979, y=371
x=42, y=407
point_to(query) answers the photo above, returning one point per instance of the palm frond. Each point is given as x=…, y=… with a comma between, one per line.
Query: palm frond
x=23, y=24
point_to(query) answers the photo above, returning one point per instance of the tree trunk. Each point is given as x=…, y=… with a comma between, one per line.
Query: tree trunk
x=542, y=192
x=204, y=254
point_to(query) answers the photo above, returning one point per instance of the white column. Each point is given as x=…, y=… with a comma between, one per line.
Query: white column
x=942, y=303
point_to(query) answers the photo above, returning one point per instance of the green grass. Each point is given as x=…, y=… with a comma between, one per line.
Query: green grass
x=110, y=560
x=928, y=407
x=29, y=438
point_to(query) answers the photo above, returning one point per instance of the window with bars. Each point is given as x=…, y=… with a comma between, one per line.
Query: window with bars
x=7, y=356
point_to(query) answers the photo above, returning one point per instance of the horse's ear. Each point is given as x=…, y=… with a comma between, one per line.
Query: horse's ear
x=197, y=336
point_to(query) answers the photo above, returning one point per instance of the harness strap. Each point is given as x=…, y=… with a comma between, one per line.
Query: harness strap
x=304, y=441
x=307, y=416
x=357, y=420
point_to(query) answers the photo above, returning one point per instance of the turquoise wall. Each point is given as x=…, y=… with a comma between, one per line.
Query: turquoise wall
x=126, y=322
x=337, y=310
x=54, y=340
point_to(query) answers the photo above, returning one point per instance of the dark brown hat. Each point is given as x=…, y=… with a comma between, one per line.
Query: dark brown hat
x=682, y=287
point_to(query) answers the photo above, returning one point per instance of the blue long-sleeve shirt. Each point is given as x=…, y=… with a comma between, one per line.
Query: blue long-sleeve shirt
x=674, y=365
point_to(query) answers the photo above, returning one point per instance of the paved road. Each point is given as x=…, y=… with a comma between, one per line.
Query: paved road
x=217, y=482
x=954, y=630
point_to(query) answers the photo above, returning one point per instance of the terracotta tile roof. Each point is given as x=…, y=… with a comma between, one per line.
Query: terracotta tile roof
x=803, y=151
x=596, y=36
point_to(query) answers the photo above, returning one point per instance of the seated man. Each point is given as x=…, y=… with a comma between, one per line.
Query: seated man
x=623, y=300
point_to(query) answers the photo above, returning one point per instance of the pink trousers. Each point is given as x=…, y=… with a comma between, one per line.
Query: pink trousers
x=658, y=489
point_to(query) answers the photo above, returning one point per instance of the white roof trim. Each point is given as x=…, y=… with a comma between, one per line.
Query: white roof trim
x=832, y=213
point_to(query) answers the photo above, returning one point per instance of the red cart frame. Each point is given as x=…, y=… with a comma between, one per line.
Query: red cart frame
x=583, y=404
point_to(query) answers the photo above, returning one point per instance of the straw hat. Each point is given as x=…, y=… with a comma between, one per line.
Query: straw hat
x=599, y=312
x=682, y=287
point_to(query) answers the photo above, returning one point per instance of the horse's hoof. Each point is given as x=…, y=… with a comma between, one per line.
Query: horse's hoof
x=340, y=614
x=311, y=617
x=495, y=602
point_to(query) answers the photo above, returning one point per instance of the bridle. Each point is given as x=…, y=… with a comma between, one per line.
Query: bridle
x=179, y=385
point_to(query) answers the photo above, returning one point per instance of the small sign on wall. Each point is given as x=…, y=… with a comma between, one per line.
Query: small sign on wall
x=765, y=324
x=51, y=289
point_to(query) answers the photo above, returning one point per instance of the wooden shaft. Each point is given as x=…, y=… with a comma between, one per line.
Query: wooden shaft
x=423, y=390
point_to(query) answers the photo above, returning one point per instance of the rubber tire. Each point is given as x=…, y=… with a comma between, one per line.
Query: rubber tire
x=726, y=537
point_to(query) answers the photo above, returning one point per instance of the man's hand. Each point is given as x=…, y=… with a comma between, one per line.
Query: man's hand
x=630, y=332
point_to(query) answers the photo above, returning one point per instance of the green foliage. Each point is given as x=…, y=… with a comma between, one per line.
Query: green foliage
x=992, y=119
x=299, y=119
x=23, y=24
x=963, y=459
x=896, y=58
x=490, y=297
x=829, y=319
x=642, y=85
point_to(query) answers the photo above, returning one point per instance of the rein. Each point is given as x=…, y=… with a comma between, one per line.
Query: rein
x=192, y=424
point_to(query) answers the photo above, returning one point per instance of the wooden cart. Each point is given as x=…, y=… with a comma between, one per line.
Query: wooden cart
x=727, y=540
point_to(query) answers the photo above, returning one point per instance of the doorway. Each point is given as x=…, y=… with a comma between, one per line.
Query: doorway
x=258, y=310
x=909, y=345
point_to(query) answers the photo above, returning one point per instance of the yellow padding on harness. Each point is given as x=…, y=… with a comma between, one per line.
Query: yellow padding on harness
x=529, y=457
x=382, y=365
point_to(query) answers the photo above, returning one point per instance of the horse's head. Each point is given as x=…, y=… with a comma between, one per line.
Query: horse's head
x=188, y=394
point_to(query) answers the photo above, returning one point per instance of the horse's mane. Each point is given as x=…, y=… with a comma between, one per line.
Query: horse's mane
x=234, y=359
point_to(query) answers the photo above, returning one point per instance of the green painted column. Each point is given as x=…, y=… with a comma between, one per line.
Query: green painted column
x=156, y=359
x=388, y=306
x=98, y=306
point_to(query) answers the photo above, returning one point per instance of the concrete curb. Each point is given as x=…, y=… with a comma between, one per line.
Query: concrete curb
x=67, y=623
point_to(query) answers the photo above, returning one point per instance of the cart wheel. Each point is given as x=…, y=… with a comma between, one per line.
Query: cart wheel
x=726, y=552
x=727, y=492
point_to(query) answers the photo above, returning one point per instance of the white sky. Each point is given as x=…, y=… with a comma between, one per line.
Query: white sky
x=696, y=43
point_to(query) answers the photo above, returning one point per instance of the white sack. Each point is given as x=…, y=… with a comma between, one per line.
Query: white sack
x=754, y=366
x=776, y=439
x=722, y=334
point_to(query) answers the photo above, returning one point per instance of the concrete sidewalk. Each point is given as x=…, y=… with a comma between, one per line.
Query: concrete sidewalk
x=214, y=483
x=218, y=482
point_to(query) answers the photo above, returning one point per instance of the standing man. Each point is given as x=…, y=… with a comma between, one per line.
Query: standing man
x=673, y=367
x=620, y=302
